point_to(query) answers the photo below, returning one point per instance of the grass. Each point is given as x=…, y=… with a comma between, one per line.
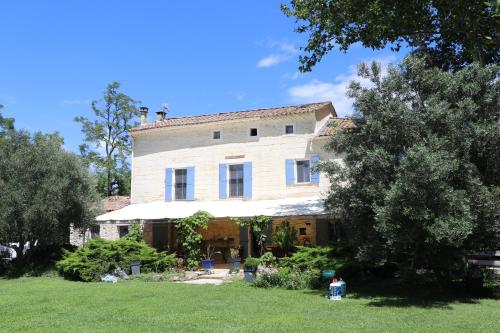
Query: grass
x=50, y=304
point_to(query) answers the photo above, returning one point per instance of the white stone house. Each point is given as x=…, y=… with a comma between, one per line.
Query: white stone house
x=232, y=165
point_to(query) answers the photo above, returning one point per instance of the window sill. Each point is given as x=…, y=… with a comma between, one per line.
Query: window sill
x=302, y=184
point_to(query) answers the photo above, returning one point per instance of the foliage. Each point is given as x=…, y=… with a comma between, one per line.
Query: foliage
x=43, y=190
x=234, y=252
x=259, y=226
x=109, y=132
x=189, y=238
x=452, y=33
x=210, y=252
x=285, y=236
x=267, y=259
x=100, y=256
x=252, y=262
x=420, y=183
x=289, y=279
x=305, y=258
x=135, y=232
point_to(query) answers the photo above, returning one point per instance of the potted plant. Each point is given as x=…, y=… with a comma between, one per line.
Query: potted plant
x=234, y=260
x=250, y=268
x=207, y=262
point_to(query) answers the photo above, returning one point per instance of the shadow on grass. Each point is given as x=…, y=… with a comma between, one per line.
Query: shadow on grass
x=390, y=293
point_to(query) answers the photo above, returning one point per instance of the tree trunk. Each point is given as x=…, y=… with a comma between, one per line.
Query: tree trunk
x=108, y=182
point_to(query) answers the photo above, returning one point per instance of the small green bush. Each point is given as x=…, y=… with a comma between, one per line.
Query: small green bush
x=289, y=279
x=100, y=256
x=267, y=259
x=310, y=258
x=250, y=262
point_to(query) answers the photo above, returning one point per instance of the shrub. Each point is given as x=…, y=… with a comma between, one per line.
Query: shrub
x=135, y=233
x=285, y=236
x=304, y=258
x=267, y=259
x=289, y=279
x=100, y=256
x=251, y=262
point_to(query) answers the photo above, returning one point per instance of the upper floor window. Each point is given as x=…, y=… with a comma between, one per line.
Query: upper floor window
x=216, y=135
x=236, y=180
x=303, y=171
x=253, y=132
x=180, y=184
x=289, y=129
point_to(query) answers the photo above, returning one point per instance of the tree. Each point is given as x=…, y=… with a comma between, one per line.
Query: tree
x=43, y=189
x=189, y=237
x=114, y=117
x=452, y=33
x=420, y=183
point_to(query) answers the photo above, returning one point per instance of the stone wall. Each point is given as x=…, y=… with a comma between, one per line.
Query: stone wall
x=181, y=147
x=307, y=223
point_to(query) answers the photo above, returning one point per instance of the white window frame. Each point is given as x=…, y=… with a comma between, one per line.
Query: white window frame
x=174, y=184
x=228, y=177
x=295, y=169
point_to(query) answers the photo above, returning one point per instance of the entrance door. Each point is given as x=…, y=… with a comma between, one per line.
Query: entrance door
x=160, y=232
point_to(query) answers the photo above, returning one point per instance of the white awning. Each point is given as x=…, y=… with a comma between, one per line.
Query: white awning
x=159, y=210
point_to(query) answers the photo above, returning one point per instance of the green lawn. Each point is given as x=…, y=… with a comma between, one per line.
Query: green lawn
x=56, y=305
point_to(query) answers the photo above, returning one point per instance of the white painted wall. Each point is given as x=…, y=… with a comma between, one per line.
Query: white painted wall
x=153, y=151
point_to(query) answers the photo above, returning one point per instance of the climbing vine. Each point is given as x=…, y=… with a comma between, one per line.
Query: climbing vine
x=189, y=237
x=259, y=226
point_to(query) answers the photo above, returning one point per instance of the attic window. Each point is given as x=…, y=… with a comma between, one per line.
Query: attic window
x=289, y=129
x=216, y=135
x=253, y=132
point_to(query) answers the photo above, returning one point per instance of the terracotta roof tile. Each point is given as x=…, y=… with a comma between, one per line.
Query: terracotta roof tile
x=226, y=116
x=335, y=123
x=115, y=202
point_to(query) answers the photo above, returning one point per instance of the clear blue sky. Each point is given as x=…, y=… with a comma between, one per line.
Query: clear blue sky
x=197, y=56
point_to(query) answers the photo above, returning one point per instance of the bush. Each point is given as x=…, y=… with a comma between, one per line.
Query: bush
x=289, y=279
x=99, y=257
x=250, y=262
x=285, y=236
x=305, y=258
x=267, y=259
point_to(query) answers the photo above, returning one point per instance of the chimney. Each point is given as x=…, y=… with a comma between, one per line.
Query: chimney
x=144, y=115
x=161, y=114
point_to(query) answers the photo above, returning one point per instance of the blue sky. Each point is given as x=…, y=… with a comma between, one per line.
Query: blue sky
x=197, y=56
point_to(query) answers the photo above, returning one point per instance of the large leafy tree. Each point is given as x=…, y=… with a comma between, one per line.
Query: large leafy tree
x=420, y=181
x=452, y=33
x=43, y=189
x=110, y=143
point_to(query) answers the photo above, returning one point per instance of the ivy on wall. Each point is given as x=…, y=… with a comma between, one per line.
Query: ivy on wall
x=189, y=238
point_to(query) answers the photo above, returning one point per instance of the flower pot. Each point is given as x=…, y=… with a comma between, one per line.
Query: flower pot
x=234, y=265
x=207, y=264
x=250, y=273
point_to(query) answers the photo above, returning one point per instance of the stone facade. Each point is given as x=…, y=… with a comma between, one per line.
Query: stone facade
x=193, y=146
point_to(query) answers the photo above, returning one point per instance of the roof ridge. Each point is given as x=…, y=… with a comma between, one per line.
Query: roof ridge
x=250, y=110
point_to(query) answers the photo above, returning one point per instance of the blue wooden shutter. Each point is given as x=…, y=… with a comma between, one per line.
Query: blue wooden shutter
x=290, y=172
x=190, y=183
x=314, y=171
x=247, y=180
x=168, y=184
x=222, y=181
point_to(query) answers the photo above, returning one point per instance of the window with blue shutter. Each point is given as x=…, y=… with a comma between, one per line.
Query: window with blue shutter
x=314, y=171
x=168, y=184
x=222, y=181
x=290, y=172
x=247, y=180
x=190, y=183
